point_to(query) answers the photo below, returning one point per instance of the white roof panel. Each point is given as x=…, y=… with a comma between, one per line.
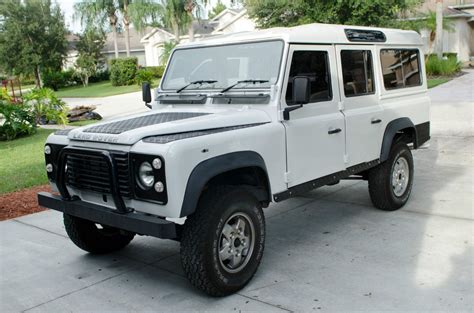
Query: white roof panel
x=313, y=33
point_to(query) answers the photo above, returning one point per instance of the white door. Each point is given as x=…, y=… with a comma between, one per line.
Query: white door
x=315, y=132
x=360, y=103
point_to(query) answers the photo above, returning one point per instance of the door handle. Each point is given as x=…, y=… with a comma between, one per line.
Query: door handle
x=334, y=131
x=376, y=121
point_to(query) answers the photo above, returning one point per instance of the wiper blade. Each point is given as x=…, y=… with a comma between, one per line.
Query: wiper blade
x=196, y=82
x=247, y=81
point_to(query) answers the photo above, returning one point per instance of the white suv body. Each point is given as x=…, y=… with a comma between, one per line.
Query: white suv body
x=312, y=105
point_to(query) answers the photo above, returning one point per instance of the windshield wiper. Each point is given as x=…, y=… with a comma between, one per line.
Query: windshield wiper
x=247, y=81
x=196, y=82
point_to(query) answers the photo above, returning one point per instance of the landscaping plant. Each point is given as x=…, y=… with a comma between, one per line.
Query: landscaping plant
x=123, y=71
x=144, y=75
x=442, y=67
x=16, y=119
x=47, y=107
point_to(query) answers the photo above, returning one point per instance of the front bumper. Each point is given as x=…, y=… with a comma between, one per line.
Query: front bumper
x=136, y=222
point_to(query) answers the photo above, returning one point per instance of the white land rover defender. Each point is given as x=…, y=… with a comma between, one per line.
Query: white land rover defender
x=238, y=122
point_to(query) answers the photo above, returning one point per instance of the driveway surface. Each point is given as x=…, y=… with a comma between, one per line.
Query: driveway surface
x=328, y=250
x=113, y=106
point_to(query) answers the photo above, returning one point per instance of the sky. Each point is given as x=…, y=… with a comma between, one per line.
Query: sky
x=67, y=6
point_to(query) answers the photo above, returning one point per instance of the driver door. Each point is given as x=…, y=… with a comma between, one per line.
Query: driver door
x=315, y=133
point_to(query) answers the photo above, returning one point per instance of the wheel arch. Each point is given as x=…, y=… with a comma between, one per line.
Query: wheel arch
x=400, y=128
x=244, y=167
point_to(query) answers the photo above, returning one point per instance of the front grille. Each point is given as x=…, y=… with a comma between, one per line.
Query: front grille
x=91, y=172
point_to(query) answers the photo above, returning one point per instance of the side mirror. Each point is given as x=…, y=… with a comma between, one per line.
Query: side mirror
x=146, y=94
x=301, y=95
x=301, y=90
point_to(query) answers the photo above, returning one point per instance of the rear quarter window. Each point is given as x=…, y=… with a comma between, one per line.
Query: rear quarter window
x=400, y=68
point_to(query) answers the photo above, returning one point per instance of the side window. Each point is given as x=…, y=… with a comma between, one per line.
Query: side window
x=315, y=65
x=357, y=72
x=400, y=68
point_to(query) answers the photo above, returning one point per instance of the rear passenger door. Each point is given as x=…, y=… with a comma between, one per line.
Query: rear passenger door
x=315, y=132
x=360, y=103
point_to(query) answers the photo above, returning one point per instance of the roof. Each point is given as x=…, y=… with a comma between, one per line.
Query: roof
x=135, y=43
x=312, y=33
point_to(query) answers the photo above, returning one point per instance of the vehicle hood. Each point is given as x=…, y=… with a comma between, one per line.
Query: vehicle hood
x=130, y=130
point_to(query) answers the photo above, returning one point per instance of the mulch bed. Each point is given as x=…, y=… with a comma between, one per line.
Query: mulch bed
x=21, y=202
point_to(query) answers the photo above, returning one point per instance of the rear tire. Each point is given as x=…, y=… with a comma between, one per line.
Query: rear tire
x=91, y=238
x=391, y=182
x=223, y=241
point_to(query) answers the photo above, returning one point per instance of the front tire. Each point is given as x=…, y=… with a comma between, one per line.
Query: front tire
x=391, y=182
x=95, y=239
x=223, y=241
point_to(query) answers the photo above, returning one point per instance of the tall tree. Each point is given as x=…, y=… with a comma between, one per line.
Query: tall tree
x=94, y=12
x=216, y=10
x=174, y=16
x=32, y=37
x=270, y=13
x=193, y=8
x=90, y=58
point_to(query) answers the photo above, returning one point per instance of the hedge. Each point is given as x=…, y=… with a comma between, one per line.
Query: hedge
x=123, y=71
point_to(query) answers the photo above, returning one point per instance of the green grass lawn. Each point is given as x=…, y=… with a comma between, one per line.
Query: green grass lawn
x=100, y=89
x=433, y=82
x=22, y=162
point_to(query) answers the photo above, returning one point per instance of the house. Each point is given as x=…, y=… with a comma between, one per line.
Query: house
x=460, y=40
x=228, y=21
x=136, y=47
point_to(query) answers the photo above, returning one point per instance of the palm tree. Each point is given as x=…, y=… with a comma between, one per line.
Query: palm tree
x=94, y=12
x=192, y=7
x=174, y=16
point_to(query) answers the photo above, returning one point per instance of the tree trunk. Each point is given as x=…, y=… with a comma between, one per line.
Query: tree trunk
x=37, y=77
x=114, y=32
x=175, y=27
x=439, y=28
x=127, y=38
x=191, y=27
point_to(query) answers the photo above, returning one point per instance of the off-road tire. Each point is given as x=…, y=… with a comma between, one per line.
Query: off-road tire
x=87, y=236
x=380, y=185
x=200, y=240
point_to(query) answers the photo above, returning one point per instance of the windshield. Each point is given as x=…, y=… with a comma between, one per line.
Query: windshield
x=226, y=64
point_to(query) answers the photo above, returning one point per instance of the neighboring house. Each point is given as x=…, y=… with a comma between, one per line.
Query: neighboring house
x=136, y=47
x=461, y=39
x=228, y=21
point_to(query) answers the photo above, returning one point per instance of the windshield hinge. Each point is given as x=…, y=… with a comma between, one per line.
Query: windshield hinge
x=287, y=176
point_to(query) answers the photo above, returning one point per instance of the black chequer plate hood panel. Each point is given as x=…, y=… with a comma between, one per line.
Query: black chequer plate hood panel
x=138, y=122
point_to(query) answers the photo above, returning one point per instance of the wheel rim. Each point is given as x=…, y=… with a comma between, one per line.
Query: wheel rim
x=400, y=176
x=236, y=242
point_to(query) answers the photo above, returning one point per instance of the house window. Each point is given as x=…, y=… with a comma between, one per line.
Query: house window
x=357, y=72
x=400, y=68
x=315, y=66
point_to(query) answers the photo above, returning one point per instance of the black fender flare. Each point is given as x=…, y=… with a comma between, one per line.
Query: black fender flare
x=391, y=130
x=210, y=168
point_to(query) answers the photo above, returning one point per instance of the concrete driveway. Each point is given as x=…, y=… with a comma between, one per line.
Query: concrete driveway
x=328, y=250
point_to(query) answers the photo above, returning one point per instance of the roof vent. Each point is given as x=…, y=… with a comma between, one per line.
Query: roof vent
x=359, y=35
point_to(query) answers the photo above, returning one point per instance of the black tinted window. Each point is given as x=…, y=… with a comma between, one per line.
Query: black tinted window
x=357, y=72
x=400, y=68
x=314, y=65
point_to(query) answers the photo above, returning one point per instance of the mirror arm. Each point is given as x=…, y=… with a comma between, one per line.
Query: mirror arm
x=287, y=110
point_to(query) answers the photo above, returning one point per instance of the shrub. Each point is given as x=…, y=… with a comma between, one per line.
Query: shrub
x=157, y=71
x=99, y=76
x=123, y=71
x=47, y=107
x=445, y=67
x=16, y=119
x=57, y=80
x=144, y=75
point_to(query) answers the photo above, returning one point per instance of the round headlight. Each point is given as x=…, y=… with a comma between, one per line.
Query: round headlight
x=145, y=176
x=156, y=164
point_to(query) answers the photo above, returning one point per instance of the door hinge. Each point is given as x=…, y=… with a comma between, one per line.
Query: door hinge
x=340, y=105
x=287, y=176
x=346, y=158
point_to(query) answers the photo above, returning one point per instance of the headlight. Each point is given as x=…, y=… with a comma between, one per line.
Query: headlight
x=145, y=176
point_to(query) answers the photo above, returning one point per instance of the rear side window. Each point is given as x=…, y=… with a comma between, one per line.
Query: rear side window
x=315, y=65
x=400, y=68
x=357, y=72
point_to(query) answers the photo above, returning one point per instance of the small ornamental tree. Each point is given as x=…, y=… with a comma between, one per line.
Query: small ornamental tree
x=123, y=71
x=90, y=58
